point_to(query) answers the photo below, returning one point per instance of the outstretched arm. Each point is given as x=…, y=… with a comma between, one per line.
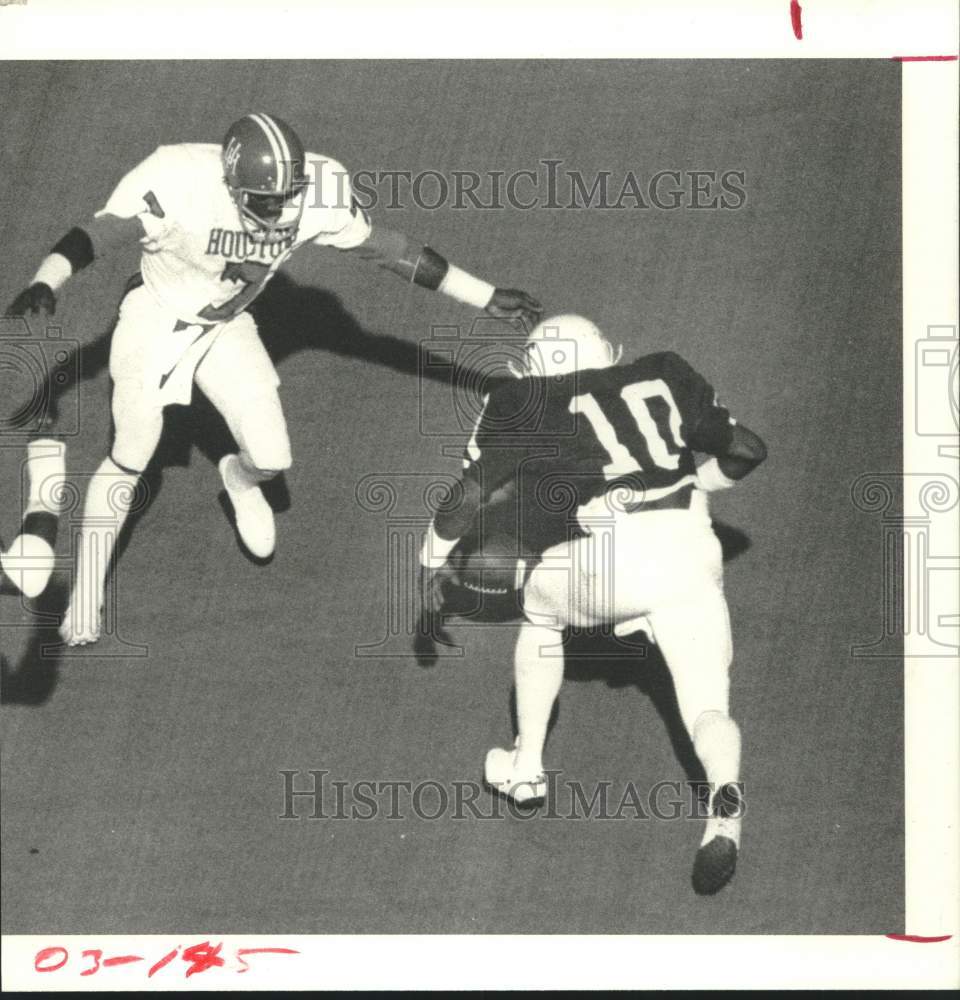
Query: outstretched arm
x=423, y=266
x=75, y=251
x=131, y=211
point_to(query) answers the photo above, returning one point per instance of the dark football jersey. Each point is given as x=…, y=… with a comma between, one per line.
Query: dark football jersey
x=548, y=445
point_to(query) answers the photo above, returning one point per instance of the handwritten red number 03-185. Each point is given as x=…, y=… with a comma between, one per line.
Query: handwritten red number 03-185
x=200, y=957
x=622, y=462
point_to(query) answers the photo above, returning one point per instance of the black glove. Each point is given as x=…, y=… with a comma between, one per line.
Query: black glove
x=511, y=303
x=430, y=631
x=38, y=298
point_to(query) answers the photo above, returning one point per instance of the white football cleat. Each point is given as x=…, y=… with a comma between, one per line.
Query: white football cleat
x=254, y=515
x=28, y=563
x=79, y=630
x=501, y=774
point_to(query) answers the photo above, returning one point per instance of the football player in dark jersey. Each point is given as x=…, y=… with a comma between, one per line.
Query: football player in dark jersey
x=613, y=531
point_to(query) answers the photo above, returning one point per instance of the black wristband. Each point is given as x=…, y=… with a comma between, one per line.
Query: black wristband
x=430, y=270
x=77, y=247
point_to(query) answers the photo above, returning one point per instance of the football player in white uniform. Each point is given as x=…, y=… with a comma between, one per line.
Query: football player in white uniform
x=28, y=562
x=618, y=440
x=215, y=223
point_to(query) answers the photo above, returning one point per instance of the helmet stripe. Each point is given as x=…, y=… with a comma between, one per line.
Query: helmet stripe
x=277, y=147
x=285, y=154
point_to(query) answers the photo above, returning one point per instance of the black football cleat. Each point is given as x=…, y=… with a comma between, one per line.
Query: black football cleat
x=716, y=860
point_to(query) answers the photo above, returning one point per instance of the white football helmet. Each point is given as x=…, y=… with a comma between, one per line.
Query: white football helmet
x=563, y=344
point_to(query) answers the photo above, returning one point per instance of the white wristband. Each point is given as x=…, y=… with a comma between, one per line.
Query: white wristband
x=435, y=549
x=54, y=271
x=466, y=288
x=710, y=477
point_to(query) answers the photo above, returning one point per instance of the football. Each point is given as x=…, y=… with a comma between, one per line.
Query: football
x=489, y=564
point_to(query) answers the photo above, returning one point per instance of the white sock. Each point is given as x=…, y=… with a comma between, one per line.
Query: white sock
x=105, y=510
x=716, y=738
x=45, y=473
x=538, y=680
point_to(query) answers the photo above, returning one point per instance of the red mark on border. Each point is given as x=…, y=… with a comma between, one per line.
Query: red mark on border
x=202, y=957
x=199, y=958
x=924, y=58
x=796, y=12
x=918, y=938
x=166, y=960
x=44, y=960
x=121, y=960
x=261, y=951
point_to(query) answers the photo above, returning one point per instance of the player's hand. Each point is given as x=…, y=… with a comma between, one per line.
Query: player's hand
x=511, y=303
x=430, y=630
x=38, y=298
x=431, y=590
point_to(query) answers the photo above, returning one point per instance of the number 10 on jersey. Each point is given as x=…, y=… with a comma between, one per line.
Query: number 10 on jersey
x=622, y=461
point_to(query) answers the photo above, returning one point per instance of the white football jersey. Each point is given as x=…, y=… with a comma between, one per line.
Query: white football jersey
x=197, y=259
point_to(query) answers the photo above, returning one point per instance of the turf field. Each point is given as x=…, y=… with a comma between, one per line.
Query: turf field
x=142, y=793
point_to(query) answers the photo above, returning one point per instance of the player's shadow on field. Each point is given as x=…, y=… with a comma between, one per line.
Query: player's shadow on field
x=33, y=680
x=635, y=661
x=291, y=319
